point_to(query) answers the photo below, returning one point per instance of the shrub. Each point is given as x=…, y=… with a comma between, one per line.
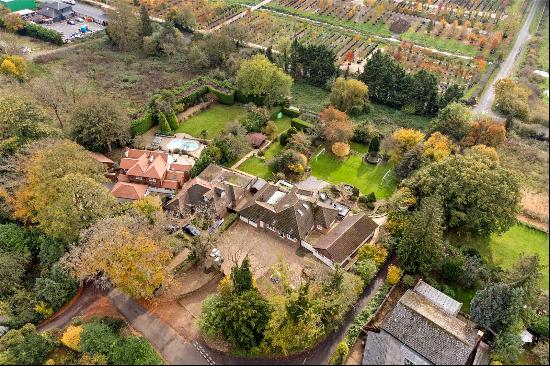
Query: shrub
x=164, y=126
x=98, y=337
x=371, y=205
x=134, y=350
x=340, y=149
x=300, y=124
x=173, y=121
x=39, y=32
x=452, y=268
x=394, y=275
x=15, y=66
x=366, y=269
x=228, y=221
x=141, y=125
x=71, y=337
x=375, y=252
x=286, y=136
x=408, y=281
x=340, y=354
x=290, y=111
x=371, y=197
x=43, y=309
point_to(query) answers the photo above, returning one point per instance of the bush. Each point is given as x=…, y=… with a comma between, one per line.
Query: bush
x=340, y=354
x=371, y=197
x=71, y=337
x=394, y=275
x=375, y=252
x=223, y=98
x=408, y=281
x=134, y=350
x=371, y=205
x=285, y=137
x=300, y=124
x=141, y=125
x=39, y=32
x=290, y=111
x=98, y=337
x=173, y=121
x=539, y=326
x=164, y=126
x=340, y=149
x=366, y=269
x=451, y=269
x=228, y=221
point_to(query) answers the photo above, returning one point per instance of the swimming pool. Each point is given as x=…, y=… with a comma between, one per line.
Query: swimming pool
x=183, y=144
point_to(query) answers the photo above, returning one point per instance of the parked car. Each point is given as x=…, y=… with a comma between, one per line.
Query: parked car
x=80, y=20
x=191, y=230
x=71, y=22
x=72, y=2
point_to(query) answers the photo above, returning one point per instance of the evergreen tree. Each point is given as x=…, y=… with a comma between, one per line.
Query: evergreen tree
x=421, y=245
x=173, y=121
x=164, y=126
x=146, y=26
x=496, y=306
x=296, y=308
x=241, y=277
x=374, y=145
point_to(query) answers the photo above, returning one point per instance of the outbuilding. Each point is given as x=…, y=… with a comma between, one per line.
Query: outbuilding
x=56, y=10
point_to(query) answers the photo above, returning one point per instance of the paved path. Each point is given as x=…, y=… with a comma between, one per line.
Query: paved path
x=88, y=296
x=166, y=340
x=509, y=65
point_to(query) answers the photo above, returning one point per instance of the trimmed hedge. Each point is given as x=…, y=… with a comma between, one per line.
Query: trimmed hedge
x=229, y=220
x=300, y=124
x=258, y=100
x=292, y=112
x=207, y=87
x=38, y=32
x=141, y=125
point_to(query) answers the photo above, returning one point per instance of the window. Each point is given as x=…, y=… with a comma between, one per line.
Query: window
x=408, y=362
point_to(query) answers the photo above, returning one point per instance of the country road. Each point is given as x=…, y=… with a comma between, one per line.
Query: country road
x=510, y=63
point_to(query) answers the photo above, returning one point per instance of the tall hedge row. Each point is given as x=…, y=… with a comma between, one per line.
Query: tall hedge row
x=300, y=124
x=39, y=32
x=141, y=125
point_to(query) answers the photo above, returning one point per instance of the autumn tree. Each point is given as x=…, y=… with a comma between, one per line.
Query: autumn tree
x=512, y=99
x=421, y=245
x=437, y=147
x=336, y=125
x=466, y=183
x=182, y=17
x=454, y=121
x=98, y=123
x=484, y=151
x=402, y=141
x=485, y=131
x=15, y=66
x=123, y=28
x=124, y=251
x=22, y=120
x=258, y=77
x=349, y=95
x=63, y=191
x=410, y=162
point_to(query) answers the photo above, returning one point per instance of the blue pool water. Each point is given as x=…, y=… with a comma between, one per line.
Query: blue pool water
x=183, y=144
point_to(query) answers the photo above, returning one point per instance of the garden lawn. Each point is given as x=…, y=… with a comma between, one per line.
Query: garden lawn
x=258, y=167
x=214, y=120
x=353, y=170
x=312, y=98
x=504, y=250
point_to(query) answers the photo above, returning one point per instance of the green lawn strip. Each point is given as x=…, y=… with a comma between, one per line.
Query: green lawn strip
x=505, y=249
x=213, y=120
x=440, y=43
x=283, y=124
x=353, y=170
x=259, y=167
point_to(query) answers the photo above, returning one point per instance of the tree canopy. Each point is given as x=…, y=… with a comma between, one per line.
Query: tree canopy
x=260, y=78
x=349, y=95
x=473, y=202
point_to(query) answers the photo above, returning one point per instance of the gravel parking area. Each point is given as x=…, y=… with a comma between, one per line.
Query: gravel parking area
x=67, y=29
x=265, y=251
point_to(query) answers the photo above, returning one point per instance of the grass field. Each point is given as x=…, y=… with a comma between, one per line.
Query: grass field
x=259, y=167
x=354, y=171
x=315, y=99
x=214, y=120
x=504, y=250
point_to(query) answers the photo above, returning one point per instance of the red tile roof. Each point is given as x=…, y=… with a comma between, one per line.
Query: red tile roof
x=101, y=158
x=129, y=191
x=170, y=184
